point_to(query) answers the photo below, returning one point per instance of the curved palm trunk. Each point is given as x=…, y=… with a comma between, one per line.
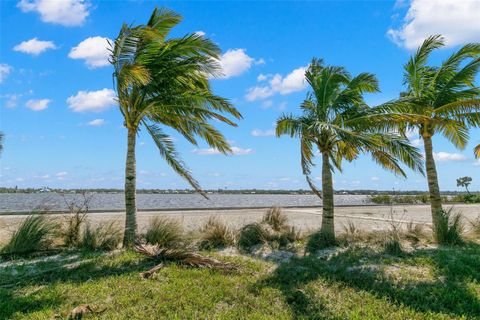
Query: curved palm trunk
x=130, y=192
x=328, y=223
x=434, y=190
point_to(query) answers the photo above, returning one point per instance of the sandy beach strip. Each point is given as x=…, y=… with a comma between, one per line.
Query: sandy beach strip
x=368, y=218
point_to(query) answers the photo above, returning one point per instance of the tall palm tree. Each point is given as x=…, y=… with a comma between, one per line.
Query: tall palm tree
x=338, y=123
x=164, y=81
x=446, y=102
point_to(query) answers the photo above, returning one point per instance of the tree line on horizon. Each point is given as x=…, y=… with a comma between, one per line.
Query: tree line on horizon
x=164, y=82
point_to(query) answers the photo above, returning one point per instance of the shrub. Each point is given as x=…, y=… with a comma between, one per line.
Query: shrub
x=414, y=233
x=78, y=210
x=450, y=228
x=319, y=240
x=34, y=234
x=393, y=246
x=476, y=226
x=275, y=218
x=165, y=232
x=471, y=198
x=106, y=236
x=252, y=234
x=215, y=234
x=351, y=233
x=283, y=238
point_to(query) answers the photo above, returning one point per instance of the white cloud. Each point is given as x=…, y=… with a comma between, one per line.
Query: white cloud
x=235, y=62
x=11, y=100
x=267, y=104
x=457, y=20
x=92, y=101
x=61, y=174
x=5, y=70
x=34, y=46
x=68, y=13
x=445, y=156
x=375, y=179
x=38, y=105
x=206, y=152
x=262, y=77
x=263, y=133
x=239, y=151
x=200, y=33
x=292, y=82
x=96, y=123
x=212, y=151
x=93, y=50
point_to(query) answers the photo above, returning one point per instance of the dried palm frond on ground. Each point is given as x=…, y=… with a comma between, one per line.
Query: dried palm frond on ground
x=181, y=256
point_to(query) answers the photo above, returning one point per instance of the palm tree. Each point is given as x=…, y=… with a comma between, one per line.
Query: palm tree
x=445, y=100
x=477, y=151
x=336, y=120
x=164, y=81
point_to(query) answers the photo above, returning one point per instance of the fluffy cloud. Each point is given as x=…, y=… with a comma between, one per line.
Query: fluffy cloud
x=375, y=179
x=445, y=156
x=68, y=13
x=212, y=151
x=235, y=62
x=37, y=105
x=92, y=101
x=200, y=33
x=457, y=20
x=5, y=70
x=292, y=82
x=34, y=46
x=96, y=123
x=262, y=133
x=93, y=50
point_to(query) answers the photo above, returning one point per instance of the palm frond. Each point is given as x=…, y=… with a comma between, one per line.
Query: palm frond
x=167, y=150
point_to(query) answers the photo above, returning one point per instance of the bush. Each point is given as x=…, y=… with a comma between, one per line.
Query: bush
x=106, y=236
x=351, y=233
x=393, y=246
x=251, y=235
x=215, y=234
x=275, y=218
x=33, y=235
x=78, y=210
x=471, y=198
x=283, y=238
x=414, y=233
x=450, y=228
x=400, y=199
x=319, y=240
x=476, y=226
x=165, y=232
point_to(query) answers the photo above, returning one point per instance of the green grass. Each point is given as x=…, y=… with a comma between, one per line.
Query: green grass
x=356, y=283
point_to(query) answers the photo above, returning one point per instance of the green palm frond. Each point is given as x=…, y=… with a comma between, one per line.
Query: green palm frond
x=168, y=151
x=477, y=151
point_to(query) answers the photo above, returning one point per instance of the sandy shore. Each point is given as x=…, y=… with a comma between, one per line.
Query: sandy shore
x=368, y=218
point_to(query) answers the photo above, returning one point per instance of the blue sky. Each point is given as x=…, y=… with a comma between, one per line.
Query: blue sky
x=62, y=128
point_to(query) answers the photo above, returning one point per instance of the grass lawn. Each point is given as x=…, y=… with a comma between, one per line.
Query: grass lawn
x=354, y=283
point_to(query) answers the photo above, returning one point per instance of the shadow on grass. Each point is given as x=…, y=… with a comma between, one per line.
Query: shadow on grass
x=446, y=292
x=18, y=294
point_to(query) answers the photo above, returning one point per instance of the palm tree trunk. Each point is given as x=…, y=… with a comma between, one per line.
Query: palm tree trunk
x=434, y=190
x=130, y=192
x=328, y=223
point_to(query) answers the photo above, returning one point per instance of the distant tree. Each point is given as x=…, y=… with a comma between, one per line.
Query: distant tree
x=336, y=124
x=464, y=182
x=163, y=81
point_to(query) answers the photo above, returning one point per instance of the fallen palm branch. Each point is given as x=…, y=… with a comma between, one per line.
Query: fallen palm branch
x=181, y=256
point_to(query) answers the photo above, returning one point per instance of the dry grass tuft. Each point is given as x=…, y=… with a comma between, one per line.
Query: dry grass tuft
x=106, y=236
x=216, y=234
x=165, y=232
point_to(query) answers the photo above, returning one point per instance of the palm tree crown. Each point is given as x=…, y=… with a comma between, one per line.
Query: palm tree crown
x=164, y=81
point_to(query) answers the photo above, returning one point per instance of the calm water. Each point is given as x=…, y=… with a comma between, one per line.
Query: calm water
x=16, y=202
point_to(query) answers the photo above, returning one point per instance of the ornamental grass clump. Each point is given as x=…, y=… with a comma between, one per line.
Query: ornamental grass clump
x=34, y=234
x=215, y=234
